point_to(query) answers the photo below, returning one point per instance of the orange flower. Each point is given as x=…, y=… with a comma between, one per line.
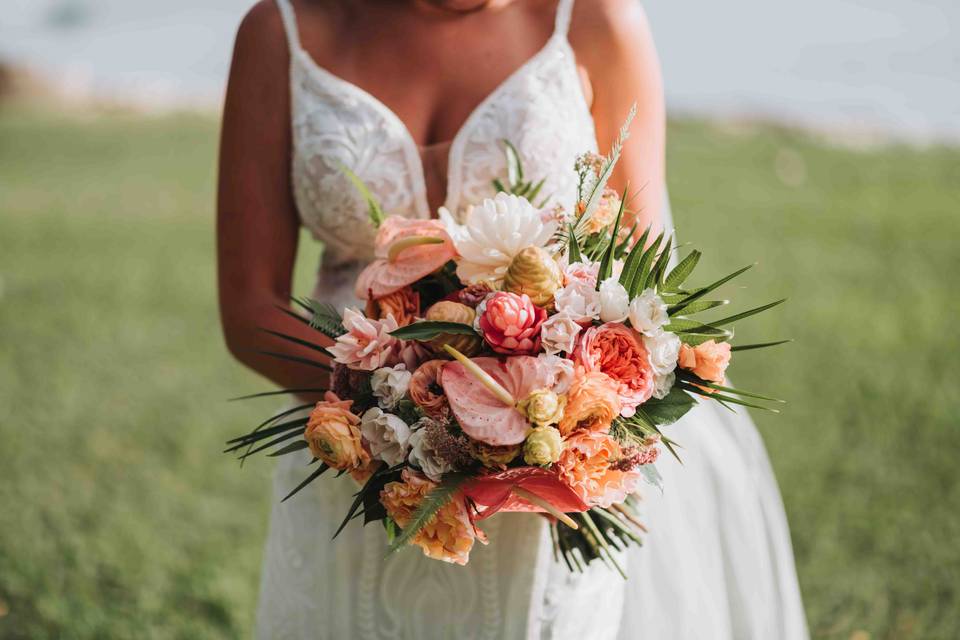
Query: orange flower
x=592, y=404
x=403, y=304
x=360, y=475
x=333, y=435
x=708, y=360
x=587, y=466
x=448, y=536
x=618, y=351
x=425, y=390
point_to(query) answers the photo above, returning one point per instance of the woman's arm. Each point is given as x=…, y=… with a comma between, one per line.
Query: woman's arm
x=257, y=224
x=613, y=43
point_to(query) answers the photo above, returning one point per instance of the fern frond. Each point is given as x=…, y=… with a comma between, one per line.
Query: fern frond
x=441, y=495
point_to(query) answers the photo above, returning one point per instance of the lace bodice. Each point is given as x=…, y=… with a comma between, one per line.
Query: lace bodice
x=539, y=108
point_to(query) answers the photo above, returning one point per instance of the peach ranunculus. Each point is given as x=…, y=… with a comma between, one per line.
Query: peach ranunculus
x=333, y=435
x=592, y=404
x=403, y=305
x=510, y=323
x=605, y=213
x=401, y=259
x=707, y=360
x=588, y=466
x=617, y=351
x=426, y=392
x=367, y=345
x=448, y=536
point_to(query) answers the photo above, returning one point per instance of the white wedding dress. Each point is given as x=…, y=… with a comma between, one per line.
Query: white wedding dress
x=717, y=562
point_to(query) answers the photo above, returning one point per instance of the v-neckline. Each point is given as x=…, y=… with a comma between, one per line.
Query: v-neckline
x=414, y=150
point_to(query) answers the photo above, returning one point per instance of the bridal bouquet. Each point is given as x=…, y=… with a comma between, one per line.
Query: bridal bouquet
x=525, y=359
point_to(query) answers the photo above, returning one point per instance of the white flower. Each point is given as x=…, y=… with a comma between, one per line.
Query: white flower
x=493, y=233
x=578, y=300
x=423, y=455
x=563, y=370
x=559, y=333
x=662, y=385
x=663, y=348
x=614, y=301
x=390, y=384
x=387, y=435
x=648, y=312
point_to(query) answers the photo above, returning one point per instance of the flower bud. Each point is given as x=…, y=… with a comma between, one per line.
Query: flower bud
x=543, y=446
x=449, y=311
x=542, y=407
x=534, y=272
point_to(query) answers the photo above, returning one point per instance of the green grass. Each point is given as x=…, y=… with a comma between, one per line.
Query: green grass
x=121, y=519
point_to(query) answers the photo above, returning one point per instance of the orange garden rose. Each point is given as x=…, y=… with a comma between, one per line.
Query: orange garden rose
x=334, y=436
x=617, y=351
x=587, y=466
x=449, y=536
x=360, y=475
x=708, y=360
x=592, y=404
x=404, y=305
x=425, y=390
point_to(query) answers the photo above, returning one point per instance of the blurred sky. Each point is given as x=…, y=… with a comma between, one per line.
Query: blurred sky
x=890, y=64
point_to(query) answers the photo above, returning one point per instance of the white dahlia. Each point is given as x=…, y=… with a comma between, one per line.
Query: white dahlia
x=493, y=233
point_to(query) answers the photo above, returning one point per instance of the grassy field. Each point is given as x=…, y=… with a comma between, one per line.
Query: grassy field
x=120, y=519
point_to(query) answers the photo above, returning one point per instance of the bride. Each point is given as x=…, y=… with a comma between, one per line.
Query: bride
x=416, y=97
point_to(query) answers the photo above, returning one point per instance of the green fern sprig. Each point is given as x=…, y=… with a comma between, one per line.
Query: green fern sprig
x=441, y=495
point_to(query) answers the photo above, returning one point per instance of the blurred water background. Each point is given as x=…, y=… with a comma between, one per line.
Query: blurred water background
x=851, y=67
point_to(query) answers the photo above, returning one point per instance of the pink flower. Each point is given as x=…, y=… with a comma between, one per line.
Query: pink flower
x=510, y=323
x=615, y=350
x=581, y=272
x=387, y=273
x=367, y=344
x=708, y=360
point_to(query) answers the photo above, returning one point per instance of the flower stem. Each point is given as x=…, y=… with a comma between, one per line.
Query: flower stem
x=534, y=499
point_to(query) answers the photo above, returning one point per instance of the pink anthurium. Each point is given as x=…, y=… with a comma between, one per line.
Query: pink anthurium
x=406, y=250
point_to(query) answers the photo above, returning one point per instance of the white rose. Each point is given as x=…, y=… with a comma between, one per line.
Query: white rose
x=614, y=301
x=578, y=300
x=563, y=370
x=422, y=455
x=662, y=385
x=390, y=384
x=648, y=312
x=559, y=333
x=386, y=434
x=663, y=348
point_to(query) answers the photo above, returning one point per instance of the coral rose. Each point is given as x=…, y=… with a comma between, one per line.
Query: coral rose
x=448, y=536
x=592, y=404
x=333, y=435
x=615, y=350
x=367, y=344
x=587, y=465
x=510, y=323
x=403, y=305
x=426, y=392
x=708, y=360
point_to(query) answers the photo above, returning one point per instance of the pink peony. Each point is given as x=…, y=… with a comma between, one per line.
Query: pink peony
x=614, y=349
x=510, y=323
x=581, y=272
x=367, y=344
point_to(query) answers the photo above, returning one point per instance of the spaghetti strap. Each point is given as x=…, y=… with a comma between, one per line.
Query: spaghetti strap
x=290, y=24
x=564, y=9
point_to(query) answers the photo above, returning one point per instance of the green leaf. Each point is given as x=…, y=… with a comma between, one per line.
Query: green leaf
x=514, y=164
x=499, y=186
x=281, y=438
x=621, y=248
x=605, y=172
x=296, y=340
x=723, y=397
x=705, y=290
x=441, y=495
x=685, y=325
x=643, y=269
x=633, y=259
x=682, y=271
x=281, y=392
x=299, y=445
x=313, y=476
x=656, y=273
x=535, y=190
x=606, y=264
x=429, y=329
x=693, y=378
x=573, y=247
x=324, y=317
x=758, y=345
x=376, y=213
x=297, y=359
x=746, y=314
x=652, y=475
x=669, y=409
x=703, y=305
